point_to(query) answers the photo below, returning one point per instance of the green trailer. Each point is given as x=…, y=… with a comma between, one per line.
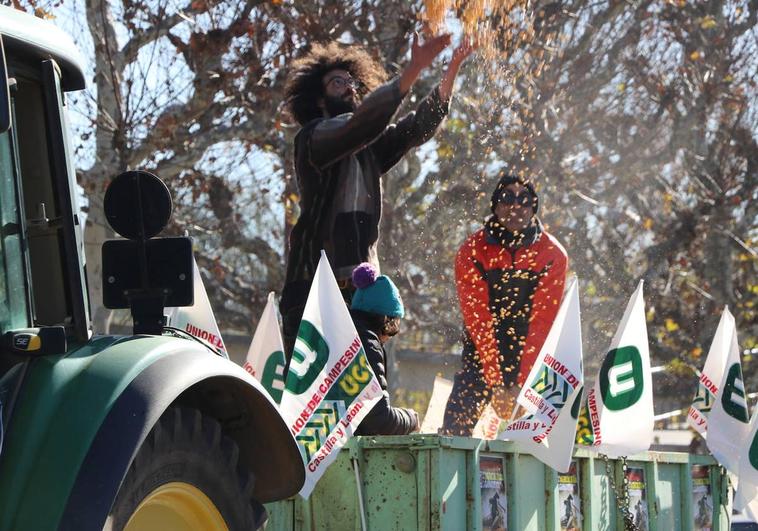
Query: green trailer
x=429, y=482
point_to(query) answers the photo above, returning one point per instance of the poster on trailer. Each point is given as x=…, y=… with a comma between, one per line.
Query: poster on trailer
x=569, y=499
x=494, y=497
x=702, y=501
x=637, y=497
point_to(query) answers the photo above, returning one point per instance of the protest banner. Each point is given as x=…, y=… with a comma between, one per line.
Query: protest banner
x=198, y=319
x=746, y=496
x=713, y=373
x=330, y=386
x=620, y=403
x=556, y=379
x=489, y=425
x=265, y=356
x=435, y=411
x=728, y=420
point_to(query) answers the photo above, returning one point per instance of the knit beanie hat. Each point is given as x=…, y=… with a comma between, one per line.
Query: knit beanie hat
x=507, y=179
x=375, y=293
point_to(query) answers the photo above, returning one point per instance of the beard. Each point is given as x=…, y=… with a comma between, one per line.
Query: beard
x=335, y=106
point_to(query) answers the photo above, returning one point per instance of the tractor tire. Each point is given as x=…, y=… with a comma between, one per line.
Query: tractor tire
x=186, y=477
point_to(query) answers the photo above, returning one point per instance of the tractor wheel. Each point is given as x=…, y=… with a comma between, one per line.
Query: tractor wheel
x=186, y=477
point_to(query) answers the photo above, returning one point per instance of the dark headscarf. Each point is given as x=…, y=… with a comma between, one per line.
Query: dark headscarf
x=498, y=232
x=508, y=179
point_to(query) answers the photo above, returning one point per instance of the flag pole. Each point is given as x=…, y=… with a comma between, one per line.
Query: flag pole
x=360, y=493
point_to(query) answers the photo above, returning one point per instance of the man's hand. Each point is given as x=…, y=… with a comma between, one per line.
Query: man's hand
x=461, y=52
x=414, y=417
x=422, y=55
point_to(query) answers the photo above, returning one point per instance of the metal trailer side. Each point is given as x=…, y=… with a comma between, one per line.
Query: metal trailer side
x=429, y=482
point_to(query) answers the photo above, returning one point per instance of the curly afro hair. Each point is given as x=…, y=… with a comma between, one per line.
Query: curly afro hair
x=304, y=87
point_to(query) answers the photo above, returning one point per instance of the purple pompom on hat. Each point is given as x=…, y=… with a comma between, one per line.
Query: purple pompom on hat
x=364, y=275
x=375, y=293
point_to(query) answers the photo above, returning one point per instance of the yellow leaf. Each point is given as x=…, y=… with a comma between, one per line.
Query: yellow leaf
x=41, y=13
x=708, y=22
x=671, y=325
x=648, y=223
x=621, y=87
x=445, y=151
x=696, y=352
x=728, y=78
x=695, y=55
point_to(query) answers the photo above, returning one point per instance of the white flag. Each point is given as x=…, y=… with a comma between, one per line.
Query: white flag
x=265, y=357
x=557, y=448
x=728, y=420
x=489, y=425
x=620, y=404
x=330, y=386
x=746, y=497
x=435, y=412
x=198, y=319
x=553, y=392
x=713, y=373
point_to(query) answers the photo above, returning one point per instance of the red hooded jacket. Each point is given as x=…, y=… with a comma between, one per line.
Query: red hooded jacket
x=509, y=298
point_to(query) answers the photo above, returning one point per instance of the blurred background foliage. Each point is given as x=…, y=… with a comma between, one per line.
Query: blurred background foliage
x=637, y=120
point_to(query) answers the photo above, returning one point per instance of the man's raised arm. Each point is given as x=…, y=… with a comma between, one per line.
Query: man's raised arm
x=419, y=126
x=337, y=137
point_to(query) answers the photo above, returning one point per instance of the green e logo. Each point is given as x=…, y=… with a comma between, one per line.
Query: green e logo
x=621, y=382
x=733, y=395
x=309, y=358
x=753, y=452
x=273, y=375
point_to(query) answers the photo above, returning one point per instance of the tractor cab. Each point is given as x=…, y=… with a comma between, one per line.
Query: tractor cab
x=43, y=292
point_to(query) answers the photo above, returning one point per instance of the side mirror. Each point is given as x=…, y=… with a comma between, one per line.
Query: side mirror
x=5, y=100
x=144, y=273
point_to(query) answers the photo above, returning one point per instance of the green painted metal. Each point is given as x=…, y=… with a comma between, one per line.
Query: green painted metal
x=61, y=406
x=14, y=306
x=428, y=482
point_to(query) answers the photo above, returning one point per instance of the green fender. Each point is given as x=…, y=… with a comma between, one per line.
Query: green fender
x=80, y=419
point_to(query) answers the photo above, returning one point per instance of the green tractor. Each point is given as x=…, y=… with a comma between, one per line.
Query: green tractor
x=149, y=431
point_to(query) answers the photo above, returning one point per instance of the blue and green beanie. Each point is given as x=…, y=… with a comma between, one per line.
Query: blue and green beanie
x=375, y=293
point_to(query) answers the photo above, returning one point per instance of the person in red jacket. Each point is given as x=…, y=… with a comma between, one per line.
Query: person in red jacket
x=510, y=276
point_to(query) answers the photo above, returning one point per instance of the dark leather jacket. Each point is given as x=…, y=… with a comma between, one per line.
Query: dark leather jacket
x=338, y=163
x=383, y=419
